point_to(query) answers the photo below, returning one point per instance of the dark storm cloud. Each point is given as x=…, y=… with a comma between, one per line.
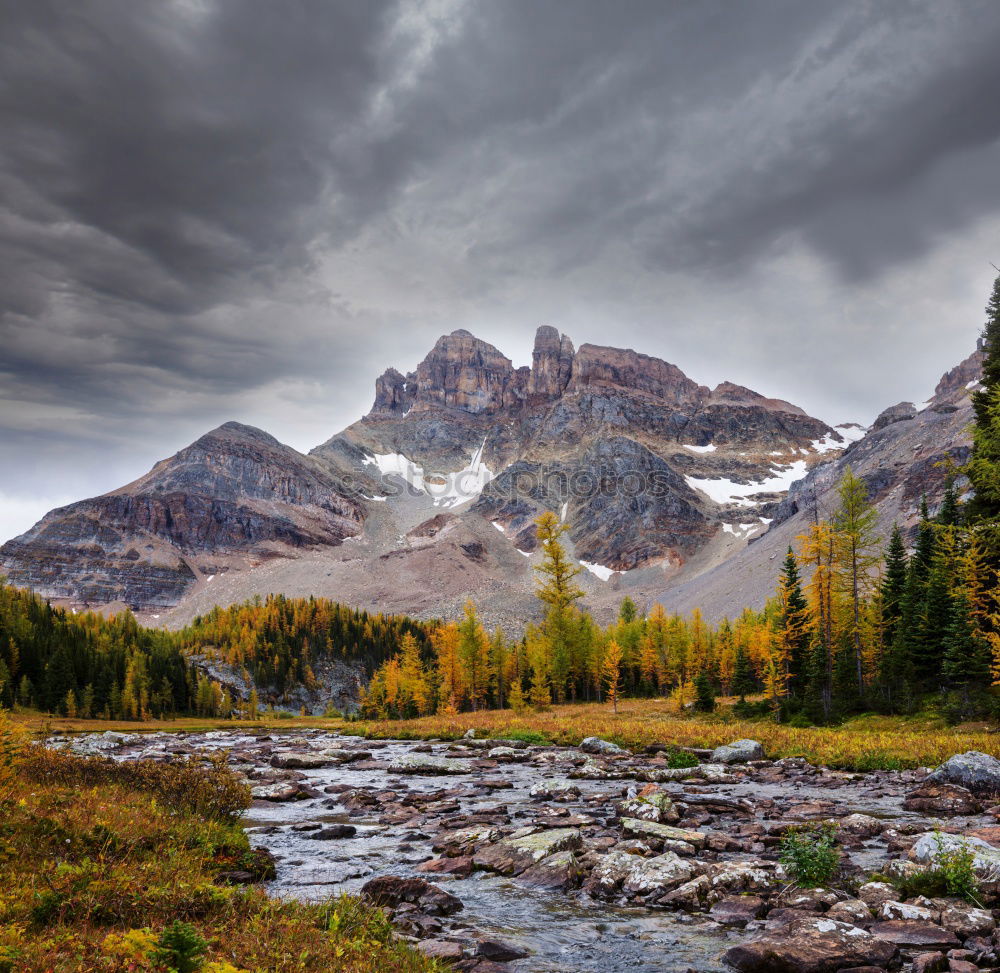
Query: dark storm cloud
x=244, y=208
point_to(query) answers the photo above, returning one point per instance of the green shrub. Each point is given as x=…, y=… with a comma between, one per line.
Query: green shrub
x=531, y=737
x=810, y=854
x=180, y=948
x=951, y=874
x=678, y=759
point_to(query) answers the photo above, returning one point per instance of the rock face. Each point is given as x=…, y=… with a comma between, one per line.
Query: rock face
x=904, y=456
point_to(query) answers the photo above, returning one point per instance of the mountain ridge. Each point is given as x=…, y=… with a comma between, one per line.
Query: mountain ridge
x=430, y=497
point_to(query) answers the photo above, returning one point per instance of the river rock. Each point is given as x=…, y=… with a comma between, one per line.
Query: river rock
x=812, y=946
x=986, y=858
x=392, y=891
x=507, y=754
x=965, y=920
x=861, y=824
x=940, y=797
x=746, y=876
x=738, y=910
x=465, y=841
x=914, y=934
x=333, y=832
x=907, y=910
x=608, y=873
x=738, y=752
x=636, y=828
x=656, y=807
x=979, y=772
x=559, y=871
x=852, y=911
x=648, y=876
x=515, y=855
x=603, y=747
x=301, y=761
x=426, y=765
x=276, y=792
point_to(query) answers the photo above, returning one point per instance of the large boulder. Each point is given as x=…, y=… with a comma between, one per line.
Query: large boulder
x=978, y=772
x=656, y=806
x=393, y=891
x=603, y=747
x=738, y=752
x=426, y=765
x=812, y=946
x=916, y=934
x=512, y=856
x=985, y=861
x=940, y=797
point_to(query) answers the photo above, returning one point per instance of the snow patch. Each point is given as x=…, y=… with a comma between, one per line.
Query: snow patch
x=850, y=432
x=446, y=489
x=726, y=491
x=710, y=448
x=972, y=384
x=604, y=573
x=498, y=526
x=562, y=513
x=525, y=553
x=209, y=578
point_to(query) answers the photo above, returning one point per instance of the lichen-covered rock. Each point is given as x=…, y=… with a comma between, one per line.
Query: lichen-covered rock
x=560, y=871
x=738, y=752
x=515, y=855
x=649, y=876
x=464, y=841
x=427, y=765
x=976, y=771
x=657, y=807
x=301, y=760
x=636, y=828
x=915, y=934
x=604, y=748
x=986, y=858
x=812, y=946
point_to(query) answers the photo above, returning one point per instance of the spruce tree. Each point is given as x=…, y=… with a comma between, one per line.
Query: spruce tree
x=966, y=662
x=744, y=680
x=893, y=585
x=704, y=700
x=795, y=624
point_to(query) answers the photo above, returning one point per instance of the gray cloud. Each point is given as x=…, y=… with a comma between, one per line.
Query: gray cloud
x=216, y=209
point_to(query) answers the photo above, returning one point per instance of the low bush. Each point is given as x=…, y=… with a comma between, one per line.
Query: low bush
x=951, y=874
x=208, y=788
x=810, y=854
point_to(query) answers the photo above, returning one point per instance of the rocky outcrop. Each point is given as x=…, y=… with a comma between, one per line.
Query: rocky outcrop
x=394, y=393
x=551, y=365
x=462, y=372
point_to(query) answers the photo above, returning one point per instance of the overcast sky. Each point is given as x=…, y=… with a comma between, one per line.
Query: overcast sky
x=248, y=209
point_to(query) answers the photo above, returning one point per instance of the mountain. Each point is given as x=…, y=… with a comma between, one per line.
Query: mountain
x=231, y=500
x=429, y=499
x=909, y=454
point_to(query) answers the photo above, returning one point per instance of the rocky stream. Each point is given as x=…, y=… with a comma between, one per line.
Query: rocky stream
x=502, y=856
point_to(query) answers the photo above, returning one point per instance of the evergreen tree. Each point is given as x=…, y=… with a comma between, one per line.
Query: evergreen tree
x=794, y=623
x=893, y=585
x=744, y=681
x=966, y=662
x=704, y=699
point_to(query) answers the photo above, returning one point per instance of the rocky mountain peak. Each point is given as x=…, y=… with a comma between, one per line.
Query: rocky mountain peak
x=463, y=372
x=551, y=364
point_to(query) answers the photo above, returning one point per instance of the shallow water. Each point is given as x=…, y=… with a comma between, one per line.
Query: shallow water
x=563, y=932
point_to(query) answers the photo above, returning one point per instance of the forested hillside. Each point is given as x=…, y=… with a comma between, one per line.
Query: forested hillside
x=83, y=664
